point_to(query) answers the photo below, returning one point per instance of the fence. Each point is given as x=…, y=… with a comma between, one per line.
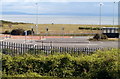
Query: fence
x=17, y=48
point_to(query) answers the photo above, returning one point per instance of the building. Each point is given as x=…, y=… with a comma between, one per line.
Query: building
x=111, y=32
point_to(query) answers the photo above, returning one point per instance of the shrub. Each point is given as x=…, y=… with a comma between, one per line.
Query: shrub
x=30, y=74
x=97, y=36
x=17, y=32
x=97, y=28
x=6, y=32
x=104, y=36
x=100, y=36
x=21, y=32
x=89, y=28
x=100, y=65
x=7, y=51
x=30, y=32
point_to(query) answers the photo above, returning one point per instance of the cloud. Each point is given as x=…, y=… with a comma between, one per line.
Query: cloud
x=58, y=8
x=60, y=0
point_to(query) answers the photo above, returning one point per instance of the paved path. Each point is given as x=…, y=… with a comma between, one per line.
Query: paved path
x=31, y=37
x=67, y=41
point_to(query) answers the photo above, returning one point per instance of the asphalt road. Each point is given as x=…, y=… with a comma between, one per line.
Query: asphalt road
x=79, y=42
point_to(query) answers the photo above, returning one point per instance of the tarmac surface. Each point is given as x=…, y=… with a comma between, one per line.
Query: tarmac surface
x=62, y=41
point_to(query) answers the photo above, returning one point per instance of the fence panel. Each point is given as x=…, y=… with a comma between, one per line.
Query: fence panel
x=16, y=48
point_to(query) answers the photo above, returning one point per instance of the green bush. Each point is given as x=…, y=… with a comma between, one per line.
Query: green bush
x=21, y=32
x=100, y=37
x=30, y=32
x=30, y=74
x=7, y=51
x=6, y=32
x=99, y=65
x=17, y=32
x=104, y=36
x=89, y=28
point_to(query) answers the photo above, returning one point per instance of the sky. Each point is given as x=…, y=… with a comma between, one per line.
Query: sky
x=59, y=0
x=55, y=7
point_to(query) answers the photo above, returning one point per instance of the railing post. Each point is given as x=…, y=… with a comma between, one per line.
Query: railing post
x=51, y=46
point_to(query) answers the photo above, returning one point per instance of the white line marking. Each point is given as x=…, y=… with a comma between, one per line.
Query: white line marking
x=79, y=44
x=43, y=39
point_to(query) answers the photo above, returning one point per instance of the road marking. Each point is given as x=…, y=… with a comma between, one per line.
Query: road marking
x=87, y=46
x=76, y=44
x=3, y=39
x=43, y=39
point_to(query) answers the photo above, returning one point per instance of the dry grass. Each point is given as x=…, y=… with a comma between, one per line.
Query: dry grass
x=113, y=39
x=54, y=28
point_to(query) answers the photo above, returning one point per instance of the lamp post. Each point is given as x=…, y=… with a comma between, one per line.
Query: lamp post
x=113, y=13
x=36, y=18
x=100, y=22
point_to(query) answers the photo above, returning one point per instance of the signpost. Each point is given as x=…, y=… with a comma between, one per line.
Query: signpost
x=46, y=31
x=25, y=36
x=10, y=26
x=63, y=31
x=31, y=33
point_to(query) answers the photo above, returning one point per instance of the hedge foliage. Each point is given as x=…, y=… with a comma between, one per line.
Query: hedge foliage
x=100, y=65
x=89, y=28
x=99, y=37
x=9, y=22
x=21, y=32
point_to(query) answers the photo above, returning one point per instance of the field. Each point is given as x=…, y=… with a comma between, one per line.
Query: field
x=55, y=28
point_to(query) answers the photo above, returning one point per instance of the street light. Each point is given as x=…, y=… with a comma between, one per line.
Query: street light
x=100, y=23
x=36, y=18
x=113, y=12
x=100, y=13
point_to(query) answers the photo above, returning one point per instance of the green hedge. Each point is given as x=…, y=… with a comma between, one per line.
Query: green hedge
x=100, y=65
x=89, y=28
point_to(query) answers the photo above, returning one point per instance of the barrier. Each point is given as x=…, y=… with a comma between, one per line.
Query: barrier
x=17, y=48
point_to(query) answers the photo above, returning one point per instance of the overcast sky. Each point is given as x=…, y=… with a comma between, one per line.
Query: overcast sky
x=61, y=8
x=59, y=0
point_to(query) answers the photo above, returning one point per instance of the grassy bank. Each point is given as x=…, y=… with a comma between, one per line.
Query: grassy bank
x=55, y=28
x=100, y=65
